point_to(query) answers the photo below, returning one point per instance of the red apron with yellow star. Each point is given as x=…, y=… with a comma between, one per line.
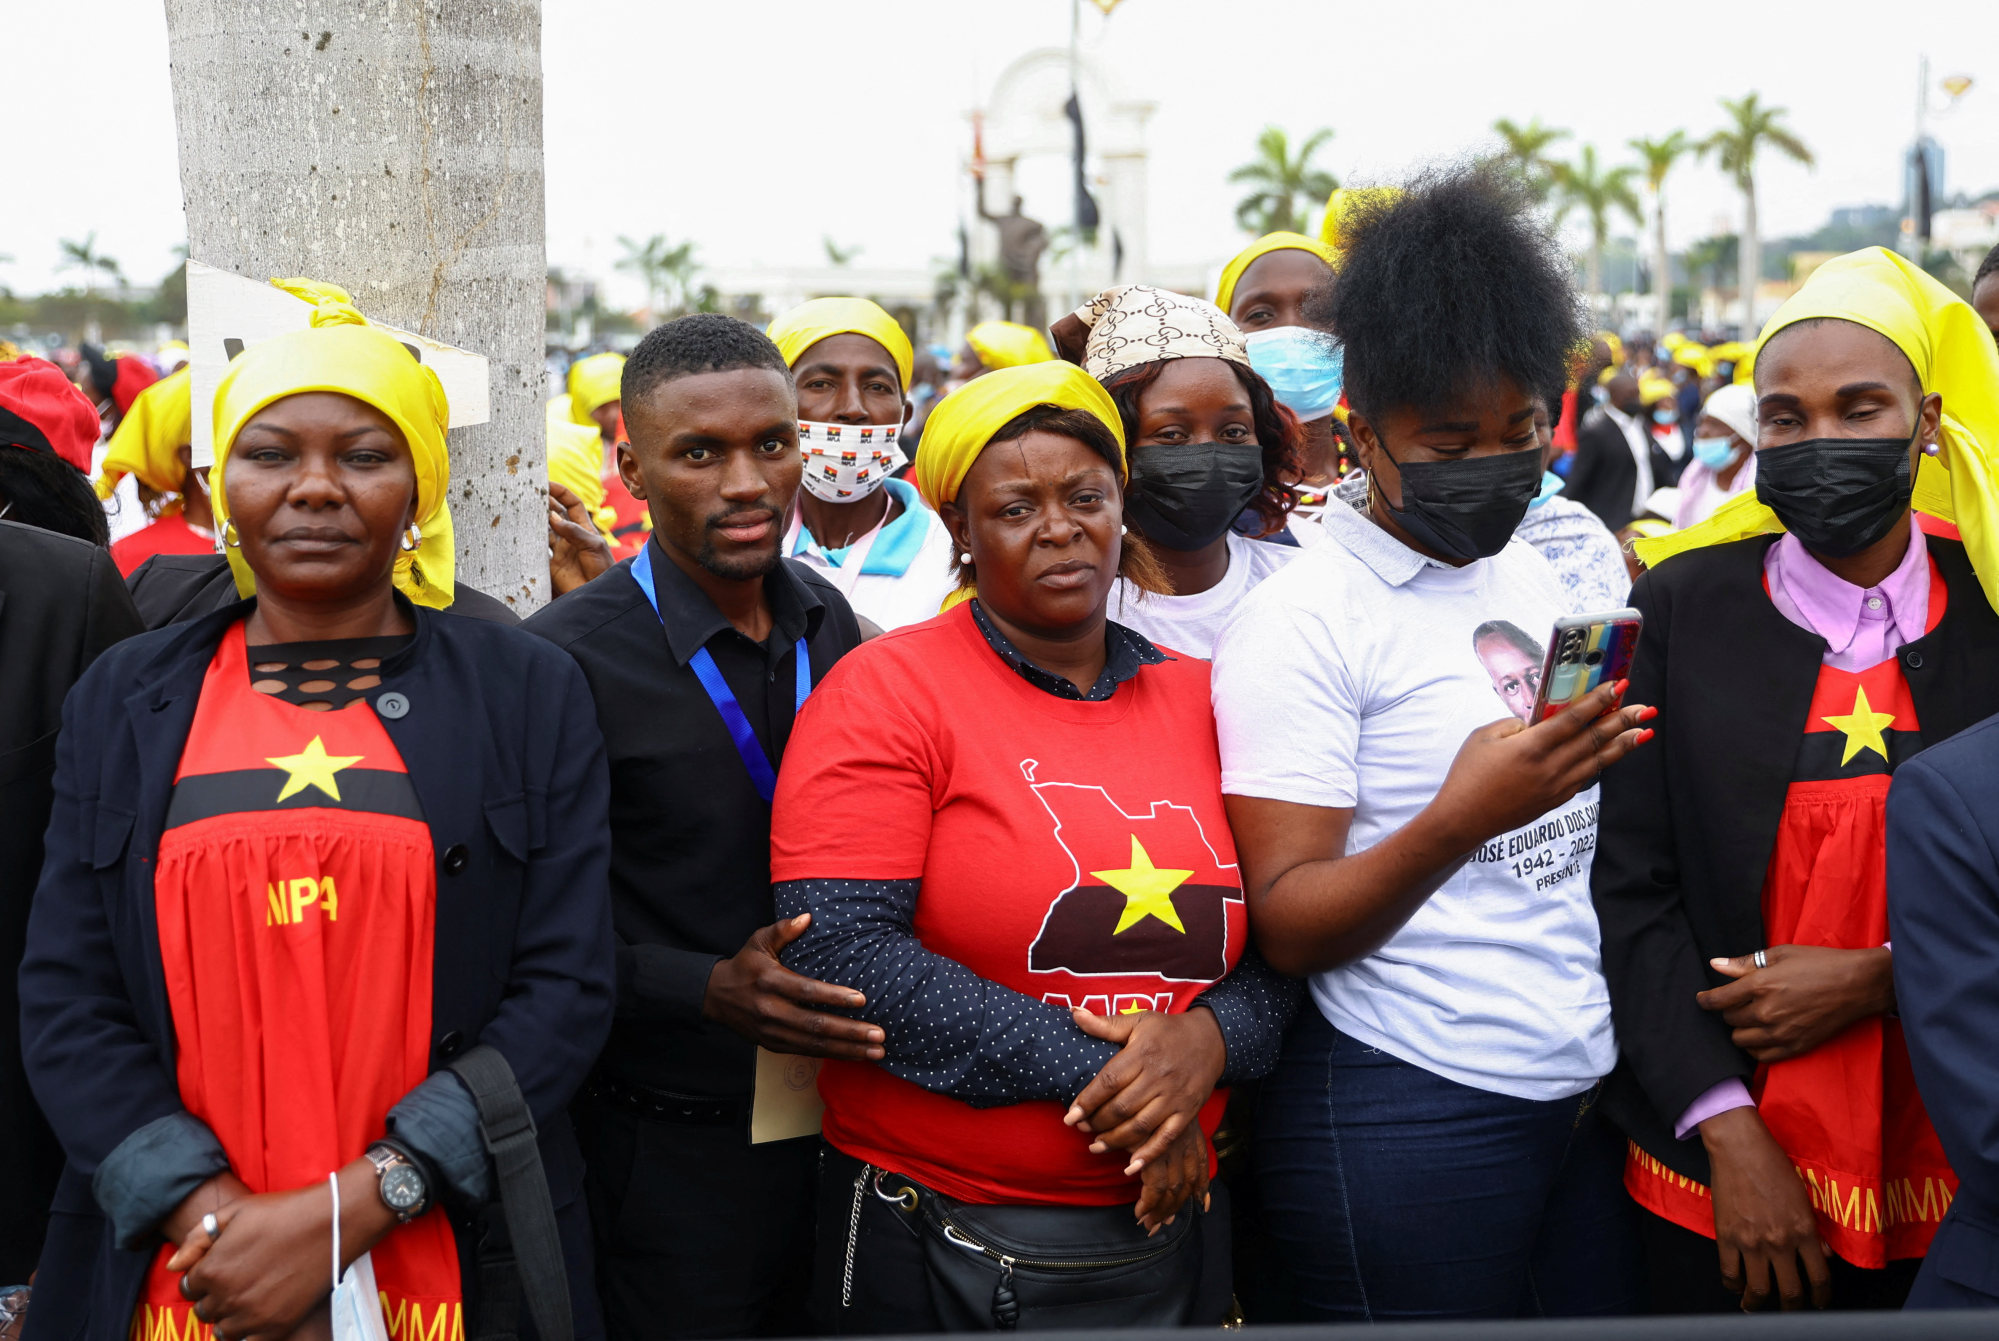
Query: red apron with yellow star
x=1847, y=1112
x=296, y=895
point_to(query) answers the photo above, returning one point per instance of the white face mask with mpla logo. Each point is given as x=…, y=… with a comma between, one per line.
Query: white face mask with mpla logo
x=844, y=463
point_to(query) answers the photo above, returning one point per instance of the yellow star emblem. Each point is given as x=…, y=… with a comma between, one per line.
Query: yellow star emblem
x=312, y=767
x=1862, y=727
x=1147, y=890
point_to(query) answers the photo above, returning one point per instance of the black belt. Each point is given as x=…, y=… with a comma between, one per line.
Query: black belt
x=665, y=1106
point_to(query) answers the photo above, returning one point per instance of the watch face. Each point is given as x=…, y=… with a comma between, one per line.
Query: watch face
x=402, y=1187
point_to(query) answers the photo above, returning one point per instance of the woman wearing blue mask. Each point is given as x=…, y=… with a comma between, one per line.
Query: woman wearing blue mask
x=1306, y=370
x=1724, y=454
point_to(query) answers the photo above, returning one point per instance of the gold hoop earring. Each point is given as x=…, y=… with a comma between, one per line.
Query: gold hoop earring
x=229, y=537
x=412, y=538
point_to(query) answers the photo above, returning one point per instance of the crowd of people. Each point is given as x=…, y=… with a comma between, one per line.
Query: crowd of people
x=1109, y=765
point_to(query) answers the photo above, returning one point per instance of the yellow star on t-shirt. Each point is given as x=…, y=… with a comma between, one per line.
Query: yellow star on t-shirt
x=1862, y=727
x=312, y=767
x=1147, y=890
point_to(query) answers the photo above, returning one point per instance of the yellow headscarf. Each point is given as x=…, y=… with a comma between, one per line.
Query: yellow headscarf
x=343, y=353
x=594, y=382
x=576, y=462
x=965, y=421
x=1654, y=387
x=807, y=324
x=1263, y=246
x=148, y=440
x=1953, y=355
x=1006, y=344
x=1346, y=201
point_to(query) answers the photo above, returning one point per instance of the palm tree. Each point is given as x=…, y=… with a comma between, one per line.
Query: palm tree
x=1526, y=152
x=661, y=268
x=1282, y=181
x=1659, y=157
x=1735, y=146
x=1596, y=190
x=84, y=256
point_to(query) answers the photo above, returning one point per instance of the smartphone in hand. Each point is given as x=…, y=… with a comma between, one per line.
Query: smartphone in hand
x=1584, y=651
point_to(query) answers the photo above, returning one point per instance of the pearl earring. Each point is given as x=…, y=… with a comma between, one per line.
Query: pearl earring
x=965, y=559
x=1124, y=530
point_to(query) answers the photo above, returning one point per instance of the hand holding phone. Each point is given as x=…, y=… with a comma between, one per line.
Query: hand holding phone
x=1585, y=651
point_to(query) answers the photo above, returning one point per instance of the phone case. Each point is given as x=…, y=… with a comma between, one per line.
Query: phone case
x=1583, y=652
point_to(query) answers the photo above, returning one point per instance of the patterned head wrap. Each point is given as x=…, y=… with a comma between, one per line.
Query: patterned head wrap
x=1132, y=325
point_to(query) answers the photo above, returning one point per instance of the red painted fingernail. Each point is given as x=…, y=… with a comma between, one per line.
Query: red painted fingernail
x=1646, y=735
x=1647, y=714
x=1622, y=685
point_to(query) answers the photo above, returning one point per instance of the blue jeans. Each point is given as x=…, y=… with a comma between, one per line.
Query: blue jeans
x=1392, y=1192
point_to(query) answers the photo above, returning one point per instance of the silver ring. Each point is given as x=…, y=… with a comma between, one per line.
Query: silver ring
x=209, y=1225
x=1760, y=960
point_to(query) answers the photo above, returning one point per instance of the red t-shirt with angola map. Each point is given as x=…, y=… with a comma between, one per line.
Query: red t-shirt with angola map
x=1075, y=852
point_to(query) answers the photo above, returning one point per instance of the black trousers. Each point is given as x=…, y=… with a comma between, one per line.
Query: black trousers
x=884, y=1289
x=1683, y=1270
x=698, y=1232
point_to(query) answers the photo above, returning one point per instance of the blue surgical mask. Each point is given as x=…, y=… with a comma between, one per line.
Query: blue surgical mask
x=1305, y=368
x=1714, y=453
x=1666, y=414
x=1551, y=484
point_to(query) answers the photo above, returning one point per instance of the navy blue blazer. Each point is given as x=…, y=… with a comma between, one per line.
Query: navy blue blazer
x=1943, y=919
x=500, y=737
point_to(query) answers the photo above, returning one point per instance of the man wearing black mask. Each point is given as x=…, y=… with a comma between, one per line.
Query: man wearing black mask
x=1612, y=472
x=699, y=652
x=1765, y=1081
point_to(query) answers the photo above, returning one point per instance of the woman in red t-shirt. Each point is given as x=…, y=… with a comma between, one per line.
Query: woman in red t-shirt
x=1004, y=826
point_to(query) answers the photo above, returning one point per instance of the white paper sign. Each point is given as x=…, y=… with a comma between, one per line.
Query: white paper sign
x=227, y=313
x=787, y=1102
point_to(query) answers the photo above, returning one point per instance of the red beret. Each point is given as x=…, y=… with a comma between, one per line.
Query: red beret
x=42, y=411
x=134, y=376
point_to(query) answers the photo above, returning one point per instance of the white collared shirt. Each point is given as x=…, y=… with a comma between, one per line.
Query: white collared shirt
x=1639, y=438
x=1349, y=679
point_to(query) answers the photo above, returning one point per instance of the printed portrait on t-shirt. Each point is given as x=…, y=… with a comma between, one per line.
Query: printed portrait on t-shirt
x=1149, y=894
x=1513, y=660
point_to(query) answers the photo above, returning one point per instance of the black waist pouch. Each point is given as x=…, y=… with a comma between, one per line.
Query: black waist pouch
x=1044, y=1268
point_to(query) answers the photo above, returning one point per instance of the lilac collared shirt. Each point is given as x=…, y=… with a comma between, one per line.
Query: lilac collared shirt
x=1862, y=628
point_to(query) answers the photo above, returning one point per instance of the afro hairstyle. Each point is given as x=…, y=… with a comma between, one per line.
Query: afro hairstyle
x=701, y=342
x=1447, y=288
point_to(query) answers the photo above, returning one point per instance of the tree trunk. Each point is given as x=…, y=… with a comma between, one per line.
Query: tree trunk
x=1595, y=275
x=1749, y=254
x=394, y=150
x=1662, y=272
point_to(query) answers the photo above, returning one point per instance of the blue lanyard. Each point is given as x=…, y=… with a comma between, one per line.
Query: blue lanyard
x=762, y=774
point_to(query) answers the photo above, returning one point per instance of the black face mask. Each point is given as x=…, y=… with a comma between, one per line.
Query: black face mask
x=1183, y=496
x=1837, y=495
x=1466, y=509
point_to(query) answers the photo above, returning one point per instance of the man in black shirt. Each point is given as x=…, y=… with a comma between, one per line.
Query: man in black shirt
x=692, y=651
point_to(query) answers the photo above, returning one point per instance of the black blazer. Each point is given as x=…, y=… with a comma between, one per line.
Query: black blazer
x=174, y=588
x=1689, y=820
x=61, y=605
x=1943, y=915
x=1603, y=475
x=501, y=741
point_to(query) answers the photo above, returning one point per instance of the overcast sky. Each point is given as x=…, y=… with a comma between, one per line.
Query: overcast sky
x=757, y=126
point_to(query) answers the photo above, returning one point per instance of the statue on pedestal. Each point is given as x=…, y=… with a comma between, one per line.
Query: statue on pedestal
x=1021, y=242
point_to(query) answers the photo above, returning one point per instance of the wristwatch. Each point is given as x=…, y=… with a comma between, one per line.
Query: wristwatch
x=400, y=1182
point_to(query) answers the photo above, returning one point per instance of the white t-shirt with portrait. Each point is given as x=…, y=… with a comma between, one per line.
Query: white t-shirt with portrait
x=1350, y=680
x=1189, y=623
